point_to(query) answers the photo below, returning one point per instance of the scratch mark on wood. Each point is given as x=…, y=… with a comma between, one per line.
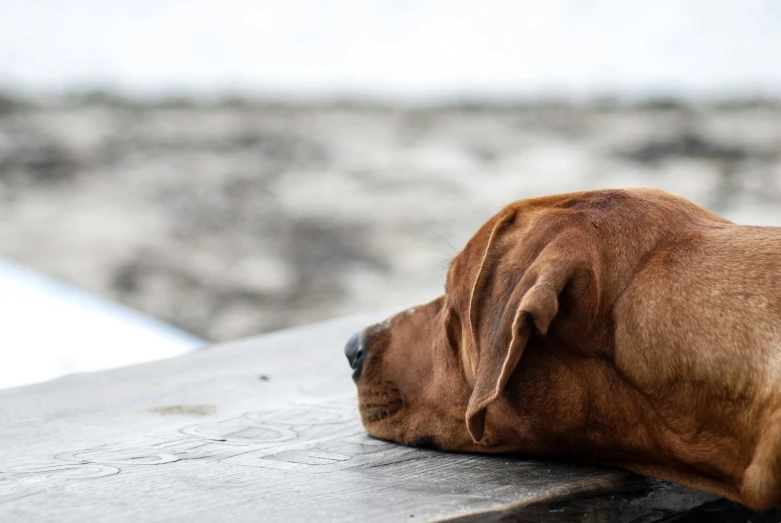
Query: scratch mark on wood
x=185, y=410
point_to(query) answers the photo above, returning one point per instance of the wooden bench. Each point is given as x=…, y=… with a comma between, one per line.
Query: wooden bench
x=267, y=430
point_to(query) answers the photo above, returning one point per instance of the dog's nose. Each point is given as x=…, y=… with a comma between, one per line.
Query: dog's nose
x=356, y=353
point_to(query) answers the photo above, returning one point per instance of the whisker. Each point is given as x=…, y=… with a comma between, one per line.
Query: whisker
x=447, y=242
x=444, y=263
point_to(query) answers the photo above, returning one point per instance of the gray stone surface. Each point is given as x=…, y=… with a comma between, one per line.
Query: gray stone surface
x=267, y=430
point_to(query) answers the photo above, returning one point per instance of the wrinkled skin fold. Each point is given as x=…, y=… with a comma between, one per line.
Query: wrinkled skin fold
x=627, y=328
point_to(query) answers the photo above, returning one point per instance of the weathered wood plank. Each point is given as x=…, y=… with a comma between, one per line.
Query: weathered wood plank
x=266, y=430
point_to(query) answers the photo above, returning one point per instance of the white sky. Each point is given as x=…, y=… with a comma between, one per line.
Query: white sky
x=394, y=48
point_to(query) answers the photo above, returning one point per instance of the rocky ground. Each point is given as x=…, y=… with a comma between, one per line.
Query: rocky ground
x=234, y=219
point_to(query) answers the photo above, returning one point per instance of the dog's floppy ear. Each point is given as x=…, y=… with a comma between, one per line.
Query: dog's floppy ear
x=531, y=304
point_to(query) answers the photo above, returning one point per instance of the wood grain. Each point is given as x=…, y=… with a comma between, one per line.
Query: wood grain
x=267, y=430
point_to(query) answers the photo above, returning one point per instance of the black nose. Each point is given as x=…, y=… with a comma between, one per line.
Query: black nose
x=356, y=353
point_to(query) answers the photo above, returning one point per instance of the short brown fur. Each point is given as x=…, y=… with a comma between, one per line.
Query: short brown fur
x=628, y=328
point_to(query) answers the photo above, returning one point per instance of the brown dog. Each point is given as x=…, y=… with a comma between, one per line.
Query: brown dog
x=628, y=328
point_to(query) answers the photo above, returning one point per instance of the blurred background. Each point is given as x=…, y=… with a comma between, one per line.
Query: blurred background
x=238, y=167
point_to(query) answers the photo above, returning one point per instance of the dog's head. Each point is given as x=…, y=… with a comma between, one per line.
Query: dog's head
x=537, y=282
